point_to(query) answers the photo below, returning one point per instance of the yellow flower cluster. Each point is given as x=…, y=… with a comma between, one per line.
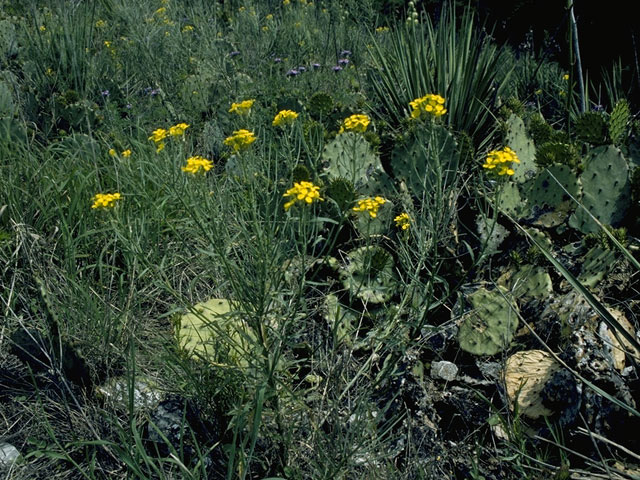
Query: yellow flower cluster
x=302, y=191
x=105, y=200
x=159, y=134
x=195, y=164
x=284, y=117
x=355, y=123
x=178, y=130
x=240, y=140
x=503, y=160
x=370, y=205
x=429, y=105
x=242, y=108
x=403, y=221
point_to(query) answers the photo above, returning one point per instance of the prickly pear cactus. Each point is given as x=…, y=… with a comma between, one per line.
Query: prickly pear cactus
x=341, y=191
x=369, y=274
x=518, y=140
x=618, y=122
x=350, y=156
x=530, y=282
x=597, y=263
x=525, y=375
x=591, y=127
x=551, y=153
x=491, y=234
x=381, y=224
x=213, y=333
x=488, y=327
x=605, y=189
x=511, y=202
x=548, y=189
x=429, y=157
x=341, y=319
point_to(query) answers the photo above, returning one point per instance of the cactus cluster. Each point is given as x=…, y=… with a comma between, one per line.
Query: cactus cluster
x=368, y=274
x=349, y=156
x=591, y=127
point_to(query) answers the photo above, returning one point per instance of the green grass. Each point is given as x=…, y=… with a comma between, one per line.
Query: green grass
x=321, y=368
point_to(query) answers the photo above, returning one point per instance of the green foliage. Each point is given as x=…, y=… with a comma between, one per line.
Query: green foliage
x=618, y=122
x=596, y=264
x=530, y=282
x=320, y=105
x=489, y=325
x=591, y=127
x=552, y=186
x=452, y=59
x=300, y=173
x=550, y=153
x=540, y=131
x=341, y=191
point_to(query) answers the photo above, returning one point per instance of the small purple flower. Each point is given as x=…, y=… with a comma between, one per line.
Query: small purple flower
x=235, y=53
x=337, y=68
x=345, y=53
x=105, y=93
x=128, y=106
x=292, y=73
x=155, y=92
x=277, y=60
x=344, y=62
x=302, y=69
x=315, y=66
x=597, y=108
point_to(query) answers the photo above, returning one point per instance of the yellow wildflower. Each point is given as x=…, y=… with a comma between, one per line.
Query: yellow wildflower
x=42, y=28
x=194, y=164
x=370, y=205
x=565, y=77
x=430, y=105
x=302, y=191
x=112, y=152
x=382, y=29
x=178, y=130
x=503, y=160
x=101, y=24
x=284, y=117
x=187, y=28
x=403, y=221
x=286, y=2
x=107, y=43
x=158, y=135
x=269, y=16
x=355, y=123
x=126, y=153
x=240, y=140
x=105, y=200
x=242, y=108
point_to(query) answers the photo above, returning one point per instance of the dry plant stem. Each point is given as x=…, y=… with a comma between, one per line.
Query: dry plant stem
x=584, y=431
x=578, y=61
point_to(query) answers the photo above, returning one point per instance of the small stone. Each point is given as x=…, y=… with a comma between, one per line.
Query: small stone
x=444, y=370
x=8, y=455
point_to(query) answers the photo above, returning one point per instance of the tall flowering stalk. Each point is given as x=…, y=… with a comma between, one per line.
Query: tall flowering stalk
x=428, y=106
x=105, y=200
x=304, y=192
x=370, y=205
x=501, y=161
x=355, y=123
x=240, y=140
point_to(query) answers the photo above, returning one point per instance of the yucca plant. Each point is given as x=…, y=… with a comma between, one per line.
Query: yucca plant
x=452, y=58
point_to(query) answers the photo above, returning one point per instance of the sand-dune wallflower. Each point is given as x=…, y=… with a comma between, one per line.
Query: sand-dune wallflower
x=240, y=140
x=428, y=106
x=126, y=153
x=370, y=205
x=197, y=163
x=105, y=200
x=305, y=192
x=284, y=117
x=403, y=221
x=242, y=108
x=355, y=123
x=178, y=130
x=502, y=160
x=158, y=136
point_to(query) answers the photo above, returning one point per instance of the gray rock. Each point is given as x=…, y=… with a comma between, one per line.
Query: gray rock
x=8, y=455
x=444, y=370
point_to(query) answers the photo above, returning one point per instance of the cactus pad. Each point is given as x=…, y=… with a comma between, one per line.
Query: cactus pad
x=551, y=153
x=597, y=263
x=605, y=189
x=549, y=192
x=530, y=282
x=591, y=127
x=518, y=140
x=488, y=327
x=618, y=122
x=350, y=156
x=369, y=274
x=525, y=376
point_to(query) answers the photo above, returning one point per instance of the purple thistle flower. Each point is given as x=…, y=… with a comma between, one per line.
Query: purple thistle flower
x=292, y=73
x=277, y=60
x=337, y=68
x=315, y=66
x=302, y=69
x=343, y=61
x=155, y=92
x=598, y=108
x=105, y=93
x=345, y=53
x=235, y=53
